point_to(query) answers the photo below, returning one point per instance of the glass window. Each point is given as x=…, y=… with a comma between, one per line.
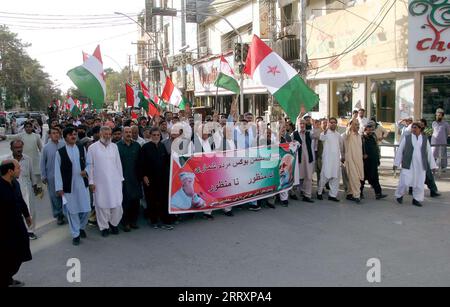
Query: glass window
x=287, y=15
x=436, y=94
x=382, y=105
x=343, y=97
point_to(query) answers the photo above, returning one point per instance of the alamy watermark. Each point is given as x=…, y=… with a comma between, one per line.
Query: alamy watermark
x=74, y=273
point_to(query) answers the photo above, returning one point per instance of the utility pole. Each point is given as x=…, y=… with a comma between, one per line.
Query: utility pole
x=183, y=43
x=130, y=75
x=303, y=53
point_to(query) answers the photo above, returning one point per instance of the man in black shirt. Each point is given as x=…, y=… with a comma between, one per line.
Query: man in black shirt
x=13, y=232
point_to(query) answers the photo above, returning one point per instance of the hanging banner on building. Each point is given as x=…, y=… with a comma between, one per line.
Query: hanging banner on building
x=205, y=75
x=429, y=34
x=218, y=180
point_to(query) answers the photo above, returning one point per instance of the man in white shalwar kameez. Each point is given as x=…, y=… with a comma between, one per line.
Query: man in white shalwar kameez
x=32, y=148
x=413, y=154
x=105, y=181
x=331, y=161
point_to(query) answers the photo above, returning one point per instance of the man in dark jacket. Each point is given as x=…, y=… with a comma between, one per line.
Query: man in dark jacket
x=131, y=188
x=371, y=159
x=13, y=233
x=154, y=165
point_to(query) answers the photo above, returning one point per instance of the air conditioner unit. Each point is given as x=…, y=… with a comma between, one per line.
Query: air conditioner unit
x=291, y=30
x=204, y=51
x=170, y=61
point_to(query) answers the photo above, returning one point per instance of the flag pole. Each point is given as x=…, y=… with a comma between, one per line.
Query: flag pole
x=217, y=88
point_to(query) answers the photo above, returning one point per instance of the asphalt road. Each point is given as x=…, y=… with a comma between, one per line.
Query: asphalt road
x=321, y=244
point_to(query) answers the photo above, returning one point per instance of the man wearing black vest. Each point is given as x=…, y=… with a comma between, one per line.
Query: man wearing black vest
x=72, y=185
x=306, y=159
x=413, y=154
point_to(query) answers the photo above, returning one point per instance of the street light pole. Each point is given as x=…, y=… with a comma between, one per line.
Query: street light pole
x=303, y=60
x=172, y=12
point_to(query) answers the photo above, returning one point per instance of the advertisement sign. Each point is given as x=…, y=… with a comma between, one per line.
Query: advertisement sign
x=429, y=33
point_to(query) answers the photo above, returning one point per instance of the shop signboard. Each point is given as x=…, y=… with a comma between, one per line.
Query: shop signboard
x=429, y=34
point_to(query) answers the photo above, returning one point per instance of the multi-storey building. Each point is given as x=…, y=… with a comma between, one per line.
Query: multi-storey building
x=389, y=57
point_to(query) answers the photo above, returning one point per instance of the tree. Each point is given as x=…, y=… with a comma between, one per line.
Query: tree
x=115, y=84
x=21, y=76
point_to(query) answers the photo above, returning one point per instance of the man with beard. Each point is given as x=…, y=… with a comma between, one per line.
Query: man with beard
x=131, y=189
x=116, y=135
x=413, y=154
x=71, y=184
x=354, y=165
x=105, y=180
x=154, y=164
x=305, y=158
x=48, y=172
x=371, y=157
x=441, y=131
x=26, y=181
x=331, y=160
x=32, y=148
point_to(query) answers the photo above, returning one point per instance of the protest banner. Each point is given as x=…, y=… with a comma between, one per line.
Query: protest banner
x=217, y=180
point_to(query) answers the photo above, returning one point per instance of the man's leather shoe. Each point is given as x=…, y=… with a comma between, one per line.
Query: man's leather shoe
x=293, y=196
x=307, y=199
x=319, y=196
x=83, y=234
x=333, y=199
x=434, y=194
x=416, y=203
x=76, y=241
x=114, y=230
x=229, y=213
x=105, y=233
x=400, y=200
x=380, y=196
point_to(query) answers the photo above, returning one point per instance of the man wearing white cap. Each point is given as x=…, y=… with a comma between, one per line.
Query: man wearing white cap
x=186, y=198
x=441, y=130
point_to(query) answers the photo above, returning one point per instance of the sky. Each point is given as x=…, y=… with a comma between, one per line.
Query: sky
x=59, y=50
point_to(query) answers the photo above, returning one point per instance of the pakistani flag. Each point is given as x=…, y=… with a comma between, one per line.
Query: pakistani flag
x=73, y=106
x=226, y=77
x=281, y=80
x=90, y=78
x=185, y=103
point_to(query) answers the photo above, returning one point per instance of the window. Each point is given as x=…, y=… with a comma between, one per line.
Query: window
x=436, y=94
x=343, y=97
x=382, y=104
x=286, y=15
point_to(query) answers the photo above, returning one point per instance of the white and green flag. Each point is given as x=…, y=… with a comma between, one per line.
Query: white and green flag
x=226, y=77
x=90, y=78
x=73, y=105
x=281, y=80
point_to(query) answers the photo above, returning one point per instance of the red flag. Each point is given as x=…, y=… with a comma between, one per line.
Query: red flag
x=133, y=115
x=145, y=90
x=130, y=95
x=152, y=110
